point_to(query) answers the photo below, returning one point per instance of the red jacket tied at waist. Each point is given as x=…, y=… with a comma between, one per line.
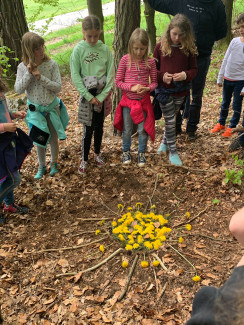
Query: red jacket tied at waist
x=136, y=112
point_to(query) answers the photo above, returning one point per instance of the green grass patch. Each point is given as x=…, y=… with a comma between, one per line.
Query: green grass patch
x=36, y=11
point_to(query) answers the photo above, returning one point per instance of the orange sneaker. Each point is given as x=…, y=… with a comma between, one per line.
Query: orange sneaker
x=218, y=127
x=227, y=133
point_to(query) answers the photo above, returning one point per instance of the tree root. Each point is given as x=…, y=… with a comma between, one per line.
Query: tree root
x=128, y=279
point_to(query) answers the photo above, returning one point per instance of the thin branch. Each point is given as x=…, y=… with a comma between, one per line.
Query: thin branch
x=65, y=248
x=190, y=220
x=128, y=278
x=94, y=219
x=160, y=261
x=155, y=276
x=83, y=233
x=198, y=170
x=163, y=291
x=93, y=267
x=206, y=236
x=176, y=250
x=150, y=198
x=108, y=208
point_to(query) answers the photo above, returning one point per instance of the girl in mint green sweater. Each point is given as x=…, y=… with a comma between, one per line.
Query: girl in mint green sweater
x=92, y=73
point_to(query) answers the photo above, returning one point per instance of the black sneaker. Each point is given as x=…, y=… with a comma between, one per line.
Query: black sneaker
x=191, y=136
x=126, y=158
x=235, y=145
x=2, y=219
x=141, y=159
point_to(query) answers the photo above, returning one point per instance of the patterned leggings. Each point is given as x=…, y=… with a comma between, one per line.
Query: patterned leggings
x=170, y=111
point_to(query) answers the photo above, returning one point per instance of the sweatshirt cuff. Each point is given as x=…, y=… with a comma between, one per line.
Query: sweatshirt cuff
x=1, y=127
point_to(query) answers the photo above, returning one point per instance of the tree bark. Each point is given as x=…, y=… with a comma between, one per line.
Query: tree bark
x=228, y=9
x=95, y=8
x=127, y=18
x=151, y=28
x=12, y=27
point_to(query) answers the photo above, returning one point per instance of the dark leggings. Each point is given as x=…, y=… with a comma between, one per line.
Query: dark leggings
x=97, y=128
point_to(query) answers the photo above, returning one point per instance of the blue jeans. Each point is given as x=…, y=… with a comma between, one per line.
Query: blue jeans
x=198, y=84
x=7, y=188
x=127, y=132
x=231, y=88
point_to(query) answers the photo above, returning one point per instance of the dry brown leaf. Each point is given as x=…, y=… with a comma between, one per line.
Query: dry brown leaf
x=63, y=262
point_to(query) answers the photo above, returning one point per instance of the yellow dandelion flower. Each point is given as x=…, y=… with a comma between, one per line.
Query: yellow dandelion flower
x=114, y=223
x=153, y=207
x=121, y=237
x=155, y=263
x=148, y=245
x=125, y=264
x=138, y=205
x=196, y=278
x=188, y=214
x=139, y=239
x=144, y=263
x=120, y=207
x=181, y=239
x=135, y=246
x=130, y=209
x=97, y=232
x=162, y=238
x=128, y=247
x=101, y=248
x=101, y=222
x=188, y=226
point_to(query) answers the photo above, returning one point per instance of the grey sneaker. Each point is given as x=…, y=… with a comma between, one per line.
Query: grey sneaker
x=99, y=160
x=82, y=168
x=141, y=159
x=126, y=158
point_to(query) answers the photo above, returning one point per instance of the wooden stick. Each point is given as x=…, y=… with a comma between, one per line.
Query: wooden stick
x=190, y=220
x=176, y=250
x=150, y=198
x=216, y=239
x=160, y=261
x=65, y=248
x=128, y=278
x=93, y=267
x=239, y=129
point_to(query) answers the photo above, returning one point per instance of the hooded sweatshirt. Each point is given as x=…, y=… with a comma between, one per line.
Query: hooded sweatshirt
x=208, y=19
x=87, y=60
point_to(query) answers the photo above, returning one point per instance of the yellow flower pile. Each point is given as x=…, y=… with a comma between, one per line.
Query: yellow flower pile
x=136, y=230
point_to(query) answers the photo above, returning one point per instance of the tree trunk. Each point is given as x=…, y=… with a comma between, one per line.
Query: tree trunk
x=228, y=9
x=127, y=18
x=95, y=8
x=12, y=27
x=151, y=28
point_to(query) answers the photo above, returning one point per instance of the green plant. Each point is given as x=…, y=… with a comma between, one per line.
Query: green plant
x=4, y=59
x=235, y=175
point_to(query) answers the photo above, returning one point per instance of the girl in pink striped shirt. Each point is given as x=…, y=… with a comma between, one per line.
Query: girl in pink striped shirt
x=137, y=77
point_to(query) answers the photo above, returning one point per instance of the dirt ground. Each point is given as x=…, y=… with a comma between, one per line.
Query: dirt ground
x=57, y=237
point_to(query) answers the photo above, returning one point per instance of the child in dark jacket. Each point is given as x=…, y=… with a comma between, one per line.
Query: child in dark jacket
x=10, y=157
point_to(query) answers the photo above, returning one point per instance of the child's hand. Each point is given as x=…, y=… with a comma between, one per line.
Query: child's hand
x=31, y=67
x=179, y=76
x=9, y=127
x=167, y=78
x=143, y=90
x=94, y=101
x=19, y=114
x=36, y=73
x=136, y=88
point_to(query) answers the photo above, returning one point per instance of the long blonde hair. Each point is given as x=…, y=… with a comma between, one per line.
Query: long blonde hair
x=138, y=35
x=187, y=40
x=30, y=42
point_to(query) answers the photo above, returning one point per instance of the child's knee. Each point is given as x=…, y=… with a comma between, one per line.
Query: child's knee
x=236, y=225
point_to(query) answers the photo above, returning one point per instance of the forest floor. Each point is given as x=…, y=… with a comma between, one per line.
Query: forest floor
x=58, y=236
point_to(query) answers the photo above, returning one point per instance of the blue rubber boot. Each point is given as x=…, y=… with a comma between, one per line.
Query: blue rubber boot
x=53, y=169
x=163, y=148
x=41, y=171
x=175, y=159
